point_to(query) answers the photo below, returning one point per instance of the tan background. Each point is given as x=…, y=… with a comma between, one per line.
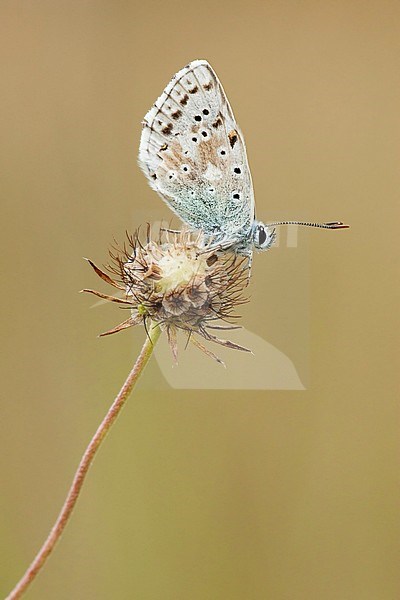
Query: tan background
x=199, y=494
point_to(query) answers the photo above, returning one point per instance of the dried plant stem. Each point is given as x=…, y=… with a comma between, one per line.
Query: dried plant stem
x=86, y=461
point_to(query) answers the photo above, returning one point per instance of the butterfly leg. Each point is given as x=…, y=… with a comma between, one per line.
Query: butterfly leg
x=178, y=231
x=249, y=265
x=175, y=231
x=218, y=247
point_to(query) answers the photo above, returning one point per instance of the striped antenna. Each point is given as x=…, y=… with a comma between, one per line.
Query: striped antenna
x=330, y=225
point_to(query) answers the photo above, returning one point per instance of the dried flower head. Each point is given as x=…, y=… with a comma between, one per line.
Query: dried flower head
x=177, y=283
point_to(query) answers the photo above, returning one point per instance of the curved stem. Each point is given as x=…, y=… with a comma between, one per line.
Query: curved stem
x=86, y=461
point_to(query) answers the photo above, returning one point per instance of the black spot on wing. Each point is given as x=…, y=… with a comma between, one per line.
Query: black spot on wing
x=217, y=123
x=167, y=129
x=233, y=138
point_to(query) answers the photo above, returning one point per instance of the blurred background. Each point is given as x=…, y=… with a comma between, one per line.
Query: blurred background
x=204, y=494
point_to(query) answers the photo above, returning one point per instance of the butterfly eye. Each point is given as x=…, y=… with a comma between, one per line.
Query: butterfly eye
x=262, y=236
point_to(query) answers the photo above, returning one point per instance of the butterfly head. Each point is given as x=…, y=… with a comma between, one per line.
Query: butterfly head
x=263, y=236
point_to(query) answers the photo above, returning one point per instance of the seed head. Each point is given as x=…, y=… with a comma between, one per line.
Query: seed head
x=177, y=282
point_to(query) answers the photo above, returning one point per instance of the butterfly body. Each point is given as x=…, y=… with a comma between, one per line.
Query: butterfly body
x=194, y=156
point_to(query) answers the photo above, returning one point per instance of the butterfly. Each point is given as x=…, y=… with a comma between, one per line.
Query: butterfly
x=193, y=154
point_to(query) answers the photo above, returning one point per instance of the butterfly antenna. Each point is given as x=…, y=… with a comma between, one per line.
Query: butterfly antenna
x=329, y=225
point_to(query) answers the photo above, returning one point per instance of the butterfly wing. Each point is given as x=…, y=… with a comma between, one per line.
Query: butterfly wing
x=194, y=155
